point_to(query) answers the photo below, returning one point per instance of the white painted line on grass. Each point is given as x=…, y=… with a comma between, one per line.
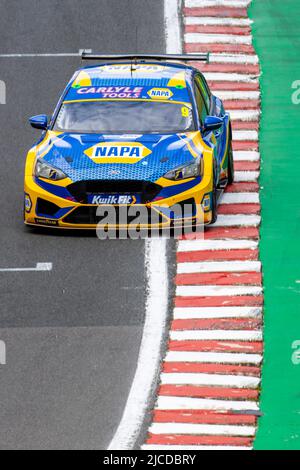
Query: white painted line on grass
x=212, y=357
x=186, y=403
x=184, y=313
x=218, y=266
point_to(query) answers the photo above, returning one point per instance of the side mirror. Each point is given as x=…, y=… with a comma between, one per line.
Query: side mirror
x=39, y=122
x=212, y=123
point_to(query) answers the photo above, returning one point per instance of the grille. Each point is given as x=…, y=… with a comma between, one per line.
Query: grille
x=46, y=207
x=86, y=215
x=147, y=190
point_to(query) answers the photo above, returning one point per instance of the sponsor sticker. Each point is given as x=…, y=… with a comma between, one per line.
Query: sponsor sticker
x=140, y=68
x=117, y=152
x=46, y=221
x=27, y=203
x=111, y=199
x=185, y=111
x=111, y=91
x=160, y=93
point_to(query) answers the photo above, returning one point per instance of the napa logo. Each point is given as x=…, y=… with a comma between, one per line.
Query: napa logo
x=160, y=93
x=138, y=68
x=118, y=152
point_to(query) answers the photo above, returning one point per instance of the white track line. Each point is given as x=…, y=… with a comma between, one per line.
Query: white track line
x=203, y=245
x=232, y=335
x=239, y=198
x=218, y=266
x=60, y=54
x=149, y=356
x=237, y=220
x=247, y=176
x=183, y=313
x=212, y=20
x=217, y=3
x=202, y=429
x=223, y=58
x=246, y=155
x=186, y=403
x=199, y=38
x=172, y=27
x=38, y=267
x=49, y=54
x=237, y=95
x=217, y=291
x=244, y=115
x=212, y=357
x=245, y=135
x=191, y=447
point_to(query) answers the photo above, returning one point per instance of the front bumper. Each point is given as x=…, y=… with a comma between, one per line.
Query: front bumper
x=164, y=213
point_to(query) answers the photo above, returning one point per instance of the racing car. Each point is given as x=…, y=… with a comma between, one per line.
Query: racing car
x=134, y=131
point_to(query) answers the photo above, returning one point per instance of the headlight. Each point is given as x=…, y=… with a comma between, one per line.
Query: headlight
x=45, y=170
x=191, y=170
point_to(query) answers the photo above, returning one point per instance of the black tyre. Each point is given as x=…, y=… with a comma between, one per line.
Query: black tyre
x=214, y=201
x=230, y=164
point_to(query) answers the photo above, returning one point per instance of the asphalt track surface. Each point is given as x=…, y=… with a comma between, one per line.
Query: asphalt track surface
x=72, y=334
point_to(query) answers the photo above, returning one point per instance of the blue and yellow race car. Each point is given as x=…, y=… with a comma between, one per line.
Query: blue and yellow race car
x=141, y=132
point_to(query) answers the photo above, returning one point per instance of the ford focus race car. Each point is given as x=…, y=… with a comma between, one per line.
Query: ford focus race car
x=144, y=132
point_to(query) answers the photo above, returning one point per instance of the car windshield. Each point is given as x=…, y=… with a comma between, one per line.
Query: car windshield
x=125, y=116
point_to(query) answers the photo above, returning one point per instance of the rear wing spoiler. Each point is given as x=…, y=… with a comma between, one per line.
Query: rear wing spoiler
x=144, y=57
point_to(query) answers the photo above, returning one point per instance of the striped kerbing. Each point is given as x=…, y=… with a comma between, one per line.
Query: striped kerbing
x=209, y=384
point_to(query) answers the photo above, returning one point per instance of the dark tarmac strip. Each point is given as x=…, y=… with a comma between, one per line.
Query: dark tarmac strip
x=72, y=334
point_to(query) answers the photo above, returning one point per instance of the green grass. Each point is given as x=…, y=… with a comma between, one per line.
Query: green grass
x=276, y=33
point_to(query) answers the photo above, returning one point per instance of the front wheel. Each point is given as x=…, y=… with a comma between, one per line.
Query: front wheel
x=214, y=210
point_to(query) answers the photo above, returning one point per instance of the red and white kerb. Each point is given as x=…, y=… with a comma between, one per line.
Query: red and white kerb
x=209, y=384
